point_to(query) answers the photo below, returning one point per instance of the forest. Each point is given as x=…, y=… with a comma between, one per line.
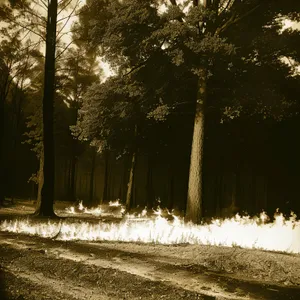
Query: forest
x=149, y=149
x=191, y=105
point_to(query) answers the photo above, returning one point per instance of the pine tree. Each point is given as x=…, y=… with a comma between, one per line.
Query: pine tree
x=207, y=39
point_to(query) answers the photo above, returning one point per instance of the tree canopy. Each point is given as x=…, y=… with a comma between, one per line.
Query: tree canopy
x=179, y=67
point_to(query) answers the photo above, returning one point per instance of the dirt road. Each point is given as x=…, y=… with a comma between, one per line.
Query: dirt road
x=37, y=268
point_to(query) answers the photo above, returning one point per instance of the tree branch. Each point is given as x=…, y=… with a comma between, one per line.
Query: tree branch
x=67, y=4
x=65, y=33
x=62, y=52
x=234, y=20
x=44, y=6
x=43, y=19
x=227, y=5
x=25, y=36
x=31, y=45
x=68, y=18
x=71, y=14
x=27, y=28
x=136, y=67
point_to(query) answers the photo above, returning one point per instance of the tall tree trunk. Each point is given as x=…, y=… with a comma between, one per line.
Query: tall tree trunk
x=254, y=191
x=13, y=154
x=149, y=184
x=171, y=191
x=93, y=166
x=40, y=183
x=106, y=174
x=74, y=161
x=124, y=179
x=4, y=89
x=129, y=195
x=219, y=193
x=47, y=198
x=16, y=138
x=170, y=185
x=195, y=186
x=72, y=186
x=2, y=196
x=234, y=185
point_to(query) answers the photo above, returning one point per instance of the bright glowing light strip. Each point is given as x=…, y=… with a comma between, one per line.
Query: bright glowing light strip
x=281, y=235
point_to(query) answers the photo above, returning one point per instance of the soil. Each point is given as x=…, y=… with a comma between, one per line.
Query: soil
x=42, y=268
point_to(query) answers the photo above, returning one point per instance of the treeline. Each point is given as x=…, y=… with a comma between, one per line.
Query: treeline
x=253, y=164
x=201, y=113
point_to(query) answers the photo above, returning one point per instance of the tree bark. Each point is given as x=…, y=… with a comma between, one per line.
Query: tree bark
x=2, y=196
x=171, y=190
x=195, y=186
x=40, y=184
x=47, y=198
x=233, y=193
x=170, y=184
x=72, y=186
x=74, y=161
x=124, y=179
x=106, y=175
x=130, y=182
x=149, y=184
x=92, y=177
x=129, y=195
x=17, y=109
x=4, y=88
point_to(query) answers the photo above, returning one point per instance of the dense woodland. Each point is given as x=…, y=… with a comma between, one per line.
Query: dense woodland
x=201, y=113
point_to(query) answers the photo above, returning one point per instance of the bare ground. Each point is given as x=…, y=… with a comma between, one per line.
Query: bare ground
x=38, y=268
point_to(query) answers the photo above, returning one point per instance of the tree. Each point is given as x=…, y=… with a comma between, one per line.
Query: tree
x=47, y=199
x=200, y=38
x=128, y=105
x=30, y=19
x=139, y=43
x=106, y=118
x=2, y=68
x=77, y=72
x=17, y=61
x=17, y=51
x=205, y=37
x=7, y=62
x=34, y=124
x=47, y=193
x=92, y=176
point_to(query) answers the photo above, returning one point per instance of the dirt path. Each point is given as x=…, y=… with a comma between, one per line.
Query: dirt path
x=37, y=268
